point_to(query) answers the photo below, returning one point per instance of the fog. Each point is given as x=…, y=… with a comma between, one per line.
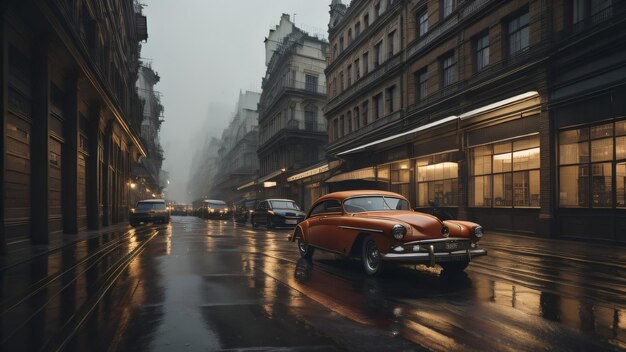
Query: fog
x=205, y=52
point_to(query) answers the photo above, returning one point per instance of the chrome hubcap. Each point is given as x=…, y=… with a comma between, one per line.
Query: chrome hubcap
x=372, y=254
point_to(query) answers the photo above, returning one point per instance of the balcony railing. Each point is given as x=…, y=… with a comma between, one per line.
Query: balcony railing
x=271, y=96
x=607, y=16
x=294, y=125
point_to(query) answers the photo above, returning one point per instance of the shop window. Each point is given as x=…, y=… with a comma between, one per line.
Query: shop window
x=437, y=183
x=400, y=176
x=588, y=159
x=506, y=174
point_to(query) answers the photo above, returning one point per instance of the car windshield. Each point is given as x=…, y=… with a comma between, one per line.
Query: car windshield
x=144, y=206
x=216, y=206
x=282, y=204
x=374, y=203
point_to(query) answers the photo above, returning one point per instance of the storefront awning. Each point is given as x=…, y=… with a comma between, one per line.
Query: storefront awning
x=366, y=174
x=318, y=169
x=246, y=185
x=418, y=129
x=270, y=176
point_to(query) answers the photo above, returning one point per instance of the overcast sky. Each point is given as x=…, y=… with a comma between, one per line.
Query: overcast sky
x=206, y=51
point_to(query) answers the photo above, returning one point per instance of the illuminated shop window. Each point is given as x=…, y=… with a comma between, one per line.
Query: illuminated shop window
x=588, y=159
x=505, y=174
x=400, y=177
x=437, y=183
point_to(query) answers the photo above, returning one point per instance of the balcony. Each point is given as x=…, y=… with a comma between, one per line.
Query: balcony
x=270, y=96
x=294, y=127
x=609, y=16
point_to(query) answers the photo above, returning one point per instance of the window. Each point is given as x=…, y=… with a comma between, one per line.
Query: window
x=341, y=82
x=310, y=118
x=448, y=64
x=365, y=63
x=349, y=75
x=391, y=96
x=378, y=106
x=335, y=53
x=597, y=10
x=349, y=36
x=366, y=20
x=587, y=158
x=357, y=69
x=334, y=86
x=400, y=177
x=505, y=174
x=421, y=82
x=518, y=30
x=481, y=46
x=437, y=183
x=365, y=109
x=357, y=29
x=391, y=40
x=326, y=206
x=349, y=122
x=356, y=117
x=310, y=82
x=378, y=54
x=341, y=126
x=422, y=23
x=340, y=44
x=447, y=6
x=335, y=129
x=377, y=9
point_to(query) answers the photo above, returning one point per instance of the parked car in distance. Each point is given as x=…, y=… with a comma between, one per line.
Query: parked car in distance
x=277, y=213
x=243, y=210
x=379, y=227
x=215, y=209
x=149, y=210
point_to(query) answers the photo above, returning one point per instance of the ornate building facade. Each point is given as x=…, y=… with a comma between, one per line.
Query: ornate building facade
x=292, y=130
x=70, y=115
x=503, y=112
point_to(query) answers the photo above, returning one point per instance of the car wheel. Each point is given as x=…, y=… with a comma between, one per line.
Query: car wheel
x=304, y=249
x=371, y=257
x=454, y=267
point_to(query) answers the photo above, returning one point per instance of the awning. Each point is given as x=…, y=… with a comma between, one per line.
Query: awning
x=246, y=185
x=366, y=174
x=270, y=176
x=318, y=169
x=418, y=129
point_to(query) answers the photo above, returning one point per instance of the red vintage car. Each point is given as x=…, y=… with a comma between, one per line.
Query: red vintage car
x=380, y=227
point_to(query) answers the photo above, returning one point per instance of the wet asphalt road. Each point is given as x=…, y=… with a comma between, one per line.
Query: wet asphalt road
x=202, y=285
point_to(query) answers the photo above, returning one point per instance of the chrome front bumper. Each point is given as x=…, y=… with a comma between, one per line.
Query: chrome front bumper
x=427, y=255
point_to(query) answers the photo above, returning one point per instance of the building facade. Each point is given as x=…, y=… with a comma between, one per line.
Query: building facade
x=503, y=112
x=292, y=130
x=148, y=178
x=69, y=115
x=237, y=161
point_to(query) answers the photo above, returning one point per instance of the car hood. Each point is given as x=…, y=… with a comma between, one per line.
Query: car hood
x=425, y=226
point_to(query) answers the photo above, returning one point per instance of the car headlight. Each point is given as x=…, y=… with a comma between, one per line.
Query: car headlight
x=478, y=231
x=398, y=231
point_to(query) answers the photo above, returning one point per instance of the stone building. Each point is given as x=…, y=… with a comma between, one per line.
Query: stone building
x=70, y=115
x=237, y=159
x=148, y=178
x=292, y=130
x=509, y=113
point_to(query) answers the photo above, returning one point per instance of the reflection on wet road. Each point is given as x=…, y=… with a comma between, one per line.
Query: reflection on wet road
x=215, y=285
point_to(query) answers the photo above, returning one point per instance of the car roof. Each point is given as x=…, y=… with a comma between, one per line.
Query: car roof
x=358, y=193
x=152, y=201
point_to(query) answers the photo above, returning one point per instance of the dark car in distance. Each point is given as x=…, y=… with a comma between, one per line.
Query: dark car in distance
x=215, y=209
x=243, y=210
x=277, y=213
x=149, y=210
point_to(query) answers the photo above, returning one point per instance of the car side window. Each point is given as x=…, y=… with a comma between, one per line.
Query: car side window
x=333, y=206
x=318, y=208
